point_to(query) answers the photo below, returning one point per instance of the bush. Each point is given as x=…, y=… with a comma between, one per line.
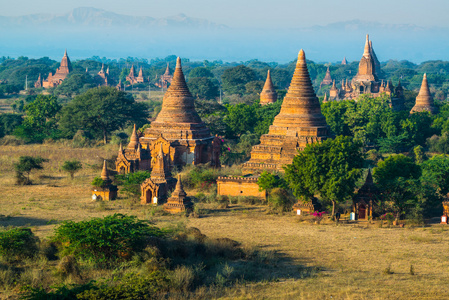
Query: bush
x=131, y=182
x=105, y=240
x=281, y=200
x=98, y=182
x=72, y=166
x=18, y=243
x=25, y=165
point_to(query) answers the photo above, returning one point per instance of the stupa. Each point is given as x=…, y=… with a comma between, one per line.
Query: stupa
x=424, y=101
x=268, y=94
x=178, y=202
x=107, y=191
x=327, y=78
x=165, y=79
x=300, y=122
x=133, y=157
x=178, y=127
x=365, y=199
x=103, y=76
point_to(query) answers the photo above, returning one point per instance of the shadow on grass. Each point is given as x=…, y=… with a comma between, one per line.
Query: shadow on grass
x=210, y=212
x=18, y=221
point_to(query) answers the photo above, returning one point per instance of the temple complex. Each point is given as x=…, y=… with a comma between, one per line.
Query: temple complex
x=300, y=122
x=178, y=129
x=424, y=101
x=103, y=76
x=154, y=190
x=61, y=73
x=178, y=202
x=107, y=191
x=364, y=200
x=268, y=94
x=327, y=79
x=165, y=79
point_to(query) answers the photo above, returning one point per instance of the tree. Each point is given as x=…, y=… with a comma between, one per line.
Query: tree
x=75, y=83
x=72, y=166
x=203, y=88
x=268, y=181
x=200, y=72
x=40, y=120
x=398, y=178
x=234, y=79
x=100, y=111
x=240, y=119
x=25, y=165
x=330, y=169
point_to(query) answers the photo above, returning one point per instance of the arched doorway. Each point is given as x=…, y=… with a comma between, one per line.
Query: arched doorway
x=362, y=211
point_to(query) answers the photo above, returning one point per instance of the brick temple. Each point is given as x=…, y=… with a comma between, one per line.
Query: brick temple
x=165, y=79
x=300, y=122
x=132, y=78
x=61, y=73
x=178, y=129
x=268, y=94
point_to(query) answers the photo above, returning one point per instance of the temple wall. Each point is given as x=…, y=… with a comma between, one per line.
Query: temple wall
x=236, y=186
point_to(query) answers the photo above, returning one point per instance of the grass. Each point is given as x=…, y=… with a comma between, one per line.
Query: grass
x=305, y=261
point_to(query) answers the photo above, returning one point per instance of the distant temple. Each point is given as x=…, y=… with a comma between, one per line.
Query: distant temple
x=327, y=78
x=367, y=81
x=300, y=122
x=268, y=94
x=38, y=83
x=178, y=131
x=61, y=73
x=165, y=79
x=344, y=62
x=132, y=79
x=424, y=101
x=103, y=76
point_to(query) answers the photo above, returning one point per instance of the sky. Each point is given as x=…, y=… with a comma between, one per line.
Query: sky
x=255, y=13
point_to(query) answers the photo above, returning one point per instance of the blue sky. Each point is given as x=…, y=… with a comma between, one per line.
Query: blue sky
x=256, y=13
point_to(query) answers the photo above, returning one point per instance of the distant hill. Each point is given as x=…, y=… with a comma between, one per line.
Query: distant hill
x=99, y=18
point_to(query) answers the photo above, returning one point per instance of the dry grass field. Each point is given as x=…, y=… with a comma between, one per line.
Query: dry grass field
x=324, y=261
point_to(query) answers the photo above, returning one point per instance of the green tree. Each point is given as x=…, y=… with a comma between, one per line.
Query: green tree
x=234, y=79
x=75, y=84
x=268, y=181
x=203, y=88
x=330, y=169
x=101, y=111
x=398, y=178
x=72, y=166
x=18, y=243
x=240, y=119
x=27, y=164
x=40, y=120
x=200, y=72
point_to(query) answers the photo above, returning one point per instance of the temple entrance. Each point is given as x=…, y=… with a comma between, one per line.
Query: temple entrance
x=362, y=211
x=122, y=171
x=148, y=196
x=362, y=89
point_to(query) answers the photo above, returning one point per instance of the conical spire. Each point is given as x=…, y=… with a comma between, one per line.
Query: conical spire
x=325, y=98
x=167, y=70
x=134, y=142
x=369, y=177
x=301, y=107
x=367, y=51
x=104, y=172
x=159, y=169
x=178, y=105
x=344, y=62
x=334, y=87
x=268, y=94
x=179, y=189
x=140, y=72
x=120, y=150
x=66, y=66
x=65, y=53
x=131, y=71
x=424, y=101
x=102, y=68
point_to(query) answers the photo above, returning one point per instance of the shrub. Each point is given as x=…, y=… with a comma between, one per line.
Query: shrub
x=18, y=243
x=131, y=182
x=280, y=200
x=105, y=240
x=98, y=182
x=72, y=166
x=58, y=292
x=25, y=165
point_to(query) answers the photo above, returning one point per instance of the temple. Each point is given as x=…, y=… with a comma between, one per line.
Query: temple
x=268, y=94
x=38, y=83
x=178, y=201
x=365, y=199
x=344, y=61
x=424, y=101
x=103, y=76
x=367, y=81
x=327, y=79
x=61, y=73
x=165, y=79
x=107, y=191
x=178, y=129
x=300, y=122
x=132, y=79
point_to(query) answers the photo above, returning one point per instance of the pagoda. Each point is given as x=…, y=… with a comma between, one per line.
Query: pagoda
x=131, y=78
x=61, y=73
x=299, y=123
x=103, y=76
x=178, y=202
x=365, y=199
x=327, y=78
x=139, y=78
x=107, y=191
x=268, y=94
x=344, y=61
x=178, y=129
x=424, y=101
x=38, y=83
x=165, y=79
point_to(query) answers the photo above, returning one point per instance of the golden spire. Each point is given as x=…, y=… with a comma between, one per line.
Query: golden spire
x=104, y=172
x=134, y=142
x=367, y=52
x=334, y=87
x=268, y=94
x=179, y=189
x=424, y=101
x=325, y=98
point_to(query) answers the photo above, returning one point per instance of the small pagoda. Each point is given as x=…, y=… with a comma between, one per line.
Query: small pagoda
x=424, y=101
x=327, y=80
x=107, y=191
x=268, y=94
x=133, y=157
x=364, y=200
x=178, y=202
x=61, y=73
x=300, y=122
